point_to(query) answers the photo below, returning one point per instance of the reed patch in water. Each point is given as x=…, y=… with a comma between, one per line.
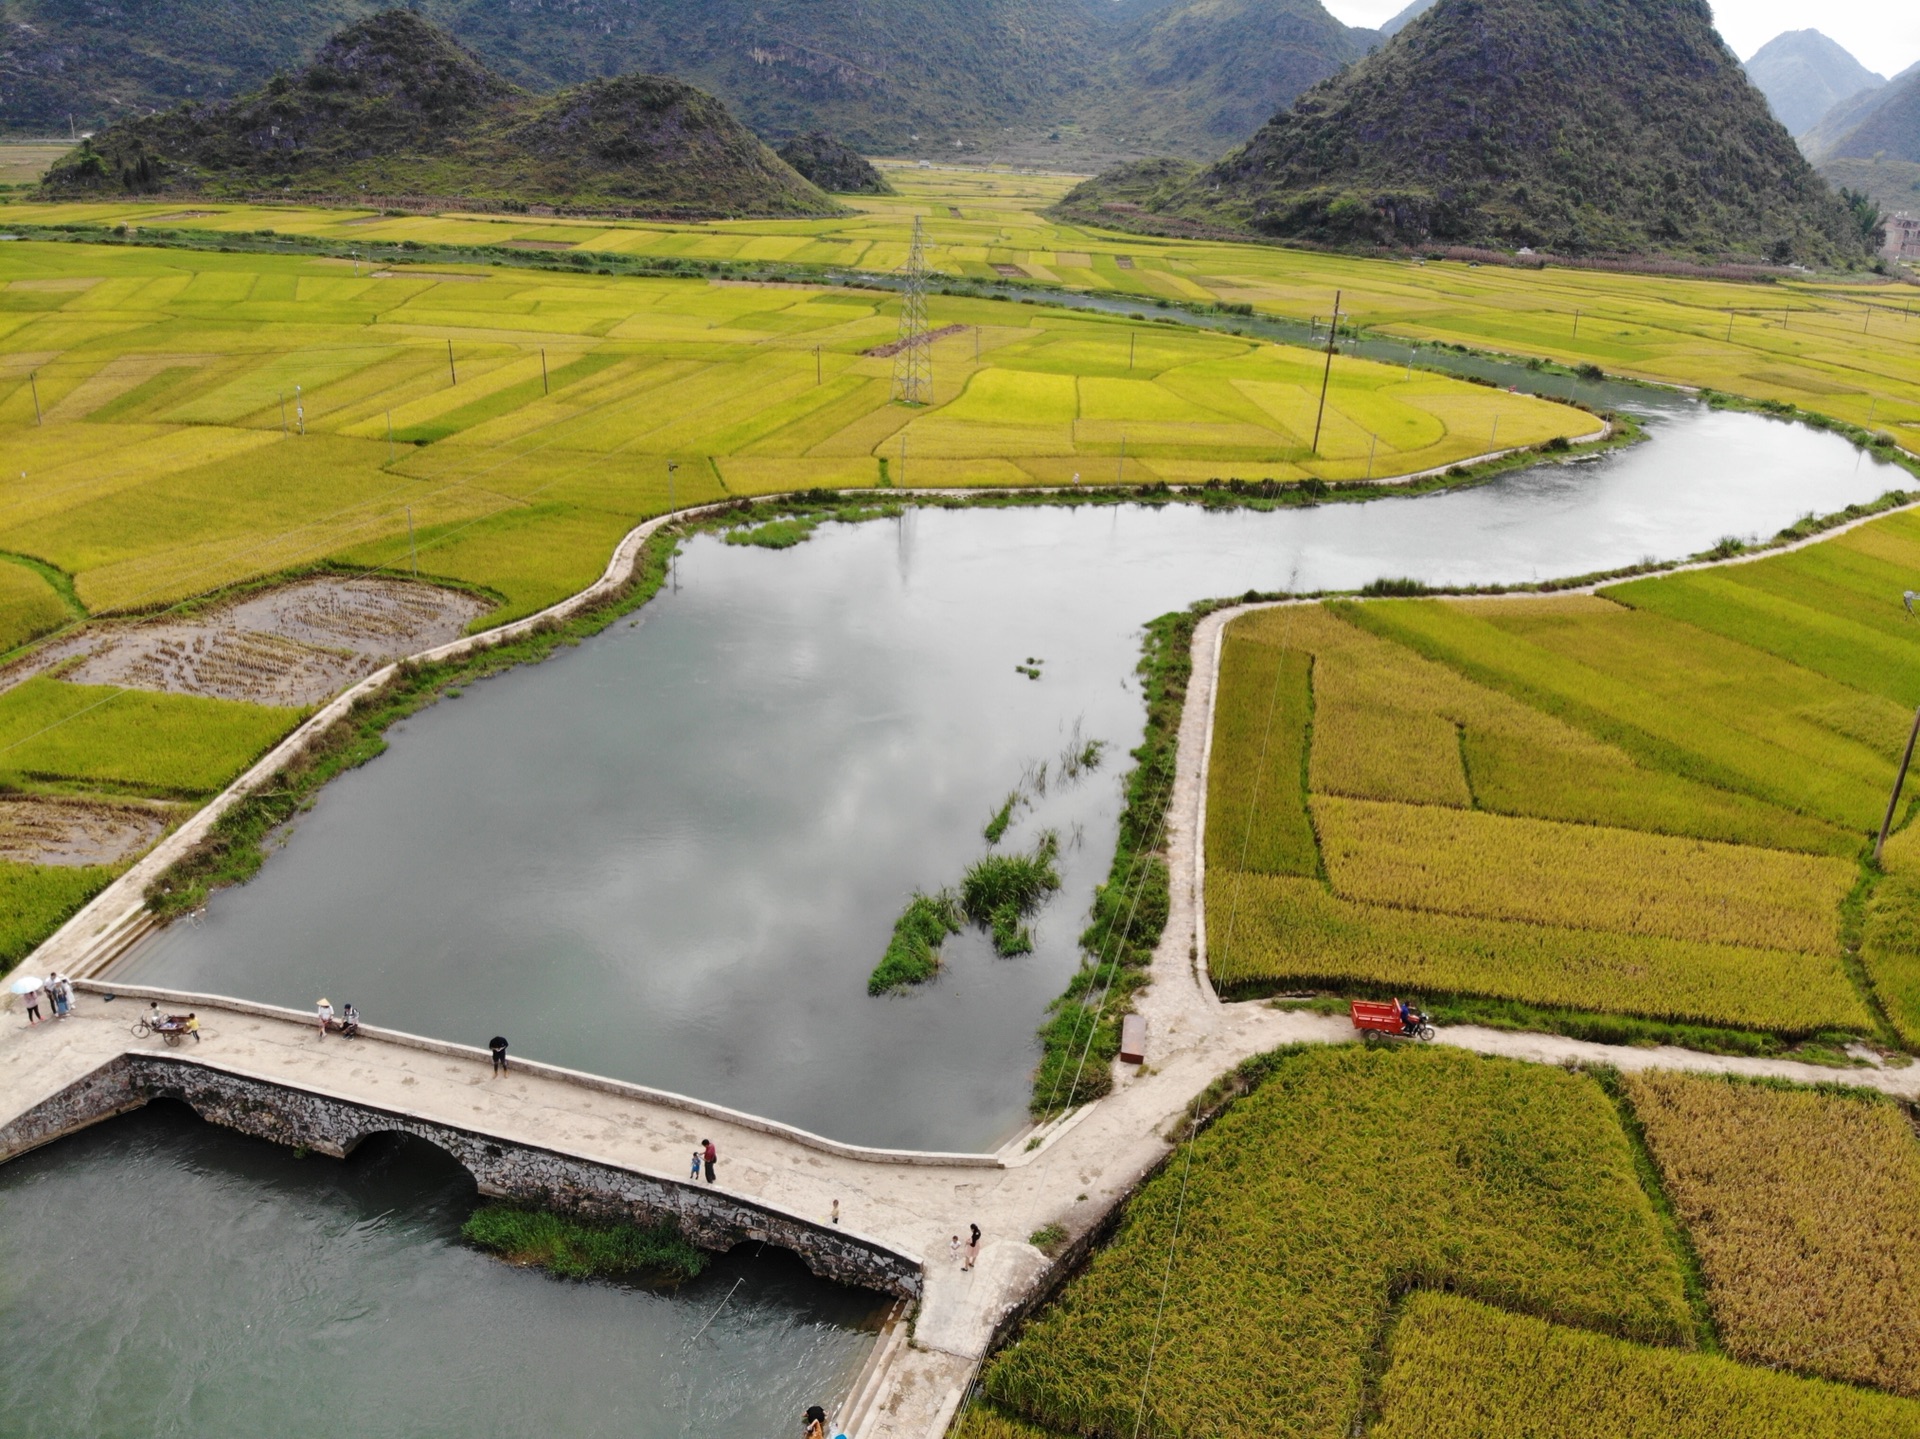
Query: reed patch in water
x=913, y=954
x=576, y=1249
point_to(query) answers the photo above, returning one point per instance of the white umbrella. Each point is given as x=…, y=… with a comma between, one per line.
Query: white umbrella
x=26, y=984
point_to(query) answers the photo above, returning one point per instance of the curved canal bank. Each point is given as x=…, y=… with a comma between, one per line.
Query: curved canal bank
x=673, y=853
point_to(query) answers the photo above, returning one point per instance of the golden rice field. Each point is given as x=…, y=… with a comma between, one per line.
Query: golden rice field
x=1268, y=932
x=1350, y=1173
x=1461, y=1370
x=1852, y=351
x=176, y=421
x=1495, y=802
x=1804, y=1208
x=1445, y=860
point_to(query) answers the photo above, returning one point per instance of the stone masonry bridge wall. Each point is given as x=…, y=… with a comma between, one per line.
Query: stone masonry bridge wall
x=525, y=1174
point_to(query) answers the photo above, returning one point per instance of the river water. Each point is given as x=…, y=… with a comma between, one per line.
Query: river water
x=163, y=1277
x=673, y=854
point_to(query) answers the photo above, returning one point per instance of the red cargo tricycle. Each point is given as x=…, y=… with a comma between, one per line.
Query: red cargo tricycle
x=1391, y=1017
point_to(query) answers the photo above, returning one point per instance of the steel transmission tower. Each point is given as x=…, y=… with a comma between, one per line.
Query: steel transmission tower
x=913, y=360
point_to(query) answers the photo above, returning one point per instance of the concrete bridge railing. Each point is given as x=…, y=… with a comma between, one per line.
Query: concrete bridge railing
x=305, y=1117
x=179, y=1001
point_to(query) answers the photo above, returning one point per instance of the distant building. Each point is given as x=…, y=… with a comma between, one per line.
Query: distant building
x=1903, y=237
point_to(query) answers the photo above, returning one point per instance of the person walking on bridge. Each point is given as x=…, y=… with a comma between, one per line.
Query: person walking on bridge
x=710, y=1155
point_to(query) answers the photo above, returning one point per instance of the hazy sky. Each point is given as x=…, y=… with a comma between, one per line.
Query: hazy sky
x=1884, y=35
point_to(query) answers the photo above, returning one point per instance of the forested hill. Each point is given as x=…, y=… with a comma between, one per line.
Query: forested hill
x=393, y=107
x=1195, y=78
x=1579, y=126
x=909, y=76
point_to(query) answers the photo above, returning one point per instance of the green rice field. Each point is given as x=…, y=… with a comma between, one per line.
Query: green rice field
x=1848, y=350
x=1642, y=802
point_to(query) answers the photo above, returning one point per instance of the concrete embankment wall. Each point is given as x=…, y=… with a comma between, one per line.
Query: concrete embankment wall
x=522, y=1173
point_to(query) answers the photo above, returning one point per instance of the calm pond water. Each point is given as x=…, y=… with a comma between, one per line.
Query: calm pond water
x=674, y=853
x=164, y=1277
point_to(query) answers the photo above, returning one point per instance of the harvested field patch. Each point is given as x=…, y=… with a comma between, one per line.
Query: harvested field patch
x=1804, y=1208
x=59, y=830
x=1460, y=1370
x=894, y=347
x=291, y=646
x=1349, y=1172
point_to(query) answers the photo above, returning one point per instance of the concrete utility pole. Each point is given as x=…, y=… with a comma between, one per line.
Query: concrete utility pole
x=33, y=383
x=545, y=388
x=453, y=377
x=411, y=548
x=389, y=436
x=1333, y=331
x=1576, y=324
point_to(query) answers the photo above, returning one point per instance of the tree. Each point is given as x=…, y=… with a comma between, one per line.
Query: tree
x=1866, y=214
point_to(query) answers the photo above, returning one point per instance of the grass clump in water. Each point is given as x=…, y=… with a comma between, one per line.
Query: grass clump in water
x=774, y=534
x=913, y=954
x=1000, y=890
x=1002, y=817
x=575, y=1249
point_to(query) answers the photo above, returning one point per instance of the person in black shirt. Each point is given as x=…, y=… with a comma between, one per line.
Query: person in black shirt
x=499, y=1048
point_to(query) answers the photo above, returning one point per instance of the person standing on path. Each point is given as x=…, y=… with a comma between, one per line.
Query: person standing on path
x=57, y=993
x=836, y=1211
x=498, y=1045
x=953, y=1249
x=710, y=1155
x=32, y=997
x=973, y=1247
x=694, y=1172
x=324, y=1013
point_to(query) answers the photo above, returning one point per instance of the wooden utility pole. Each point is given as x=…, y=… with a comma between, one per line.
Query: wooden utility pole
x=1576, y=324
x=33, y=383
x=1899, y=779
x=1130, y=339
x=1326, y=377
x=545, y=388
x=453, y=377
x=816, y=364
